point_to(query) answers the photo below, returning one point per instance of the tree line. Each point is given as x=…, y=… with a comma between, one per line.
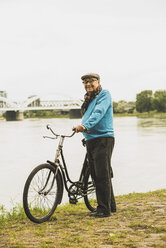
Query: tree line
x=146, y=101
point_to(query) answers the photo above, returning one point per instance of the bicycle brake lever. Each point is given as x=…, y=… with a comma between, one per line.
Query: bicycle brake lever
x=49, y=137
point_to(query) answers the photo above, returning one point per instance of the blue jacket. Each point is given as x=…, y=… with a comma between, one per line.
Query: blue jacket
x=98, y=118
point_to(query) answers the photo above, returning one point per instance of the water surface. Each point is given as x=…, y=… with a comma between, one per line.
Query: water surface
x=139, y=160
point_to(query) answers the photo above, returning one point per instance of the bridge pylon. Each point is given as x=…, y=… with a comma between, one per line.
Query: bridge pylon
x=75, y=113
x=14, y=115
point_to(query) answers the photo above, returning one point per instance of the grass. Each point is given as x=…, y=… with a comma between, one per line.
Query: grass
x=138, y=223
x=149, y=114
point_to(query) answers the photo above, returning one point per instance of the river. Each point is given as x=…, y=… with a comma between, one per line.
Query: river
x=139, y=159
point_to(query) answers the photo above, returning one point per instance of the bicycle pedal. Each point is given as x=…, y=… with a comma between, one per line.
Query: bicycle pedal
x=73, y=201
x=79, y=182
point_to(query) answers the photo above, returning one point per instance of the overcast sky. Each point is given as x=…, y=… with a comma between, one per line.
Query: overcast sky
x=47, y=45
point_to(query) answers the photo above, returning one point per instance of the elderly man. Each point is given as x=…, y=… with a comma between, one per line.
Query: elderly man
x=97, y=128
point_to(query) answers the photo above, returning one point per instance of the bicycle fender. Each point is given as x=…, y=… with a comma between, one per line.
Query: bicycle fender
x=61, y=179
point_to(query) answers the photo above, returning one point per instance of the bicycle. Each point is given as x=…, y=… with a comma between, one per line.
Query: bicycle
x=43, y=190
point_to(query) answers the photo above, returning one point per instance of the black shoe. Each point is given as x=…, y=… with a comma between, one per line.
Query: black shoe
x=99, y=215
x=113, y=210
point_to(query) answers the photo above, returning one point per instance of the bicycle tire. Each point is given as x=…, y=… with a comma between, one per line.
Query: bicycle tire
x=44, y=202
x=90, y=190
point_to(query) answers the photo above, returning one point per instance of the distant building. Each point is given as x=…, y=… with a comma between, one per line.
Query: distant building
x=3, y=94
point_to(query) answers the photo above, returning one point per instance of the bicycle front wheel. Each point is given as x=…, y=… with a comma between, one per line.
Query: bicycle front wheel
x=90, y=191
x=42, y=193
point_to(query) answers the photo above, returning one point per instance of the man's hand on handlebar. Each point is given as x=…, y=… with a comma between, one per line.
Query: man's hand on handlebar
x=80, y=128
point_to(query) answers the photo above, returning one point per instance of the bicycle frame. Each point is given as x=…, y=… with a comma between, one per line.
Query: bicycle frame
x=75, y=189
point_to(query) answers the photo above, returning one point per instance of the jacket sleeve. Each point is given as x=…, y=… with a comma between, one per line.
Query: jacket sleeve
x=102, y=104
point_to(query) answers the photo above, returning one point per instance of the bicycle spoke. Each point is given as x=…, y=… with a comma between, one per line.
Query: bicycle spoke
x=40, y=202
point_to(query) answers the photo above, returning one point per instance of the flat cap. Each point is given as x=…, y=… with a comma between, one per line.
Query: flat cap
x=90, y=75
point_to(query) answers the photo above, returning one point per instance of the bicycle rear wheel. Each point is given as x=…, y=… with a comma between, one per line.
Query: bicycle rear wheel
x=42, y=193
x=90, y=190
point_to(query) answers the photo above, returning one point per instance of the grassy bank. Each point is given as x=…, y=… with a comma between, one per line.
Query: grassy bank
x=139, y=222
x=151, y=114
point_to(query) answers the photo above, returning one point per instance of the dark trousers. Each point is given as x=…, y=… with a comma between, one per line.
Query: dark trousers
x=99, y=151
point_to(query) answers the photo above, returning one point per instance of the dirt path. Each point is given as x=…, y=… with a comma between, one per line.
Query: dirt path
x=140, y=222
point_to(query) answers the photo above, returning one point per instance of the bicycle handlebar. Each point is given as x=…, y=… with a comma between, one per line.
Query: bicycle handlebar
x=58, y=135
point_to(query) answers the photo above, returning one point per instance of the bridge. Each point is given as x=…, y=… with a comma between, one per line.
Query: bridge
x=15, y=110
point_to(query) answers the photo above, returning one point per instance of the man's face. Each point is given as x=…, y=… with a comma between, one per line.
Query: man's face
x=91, y=84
